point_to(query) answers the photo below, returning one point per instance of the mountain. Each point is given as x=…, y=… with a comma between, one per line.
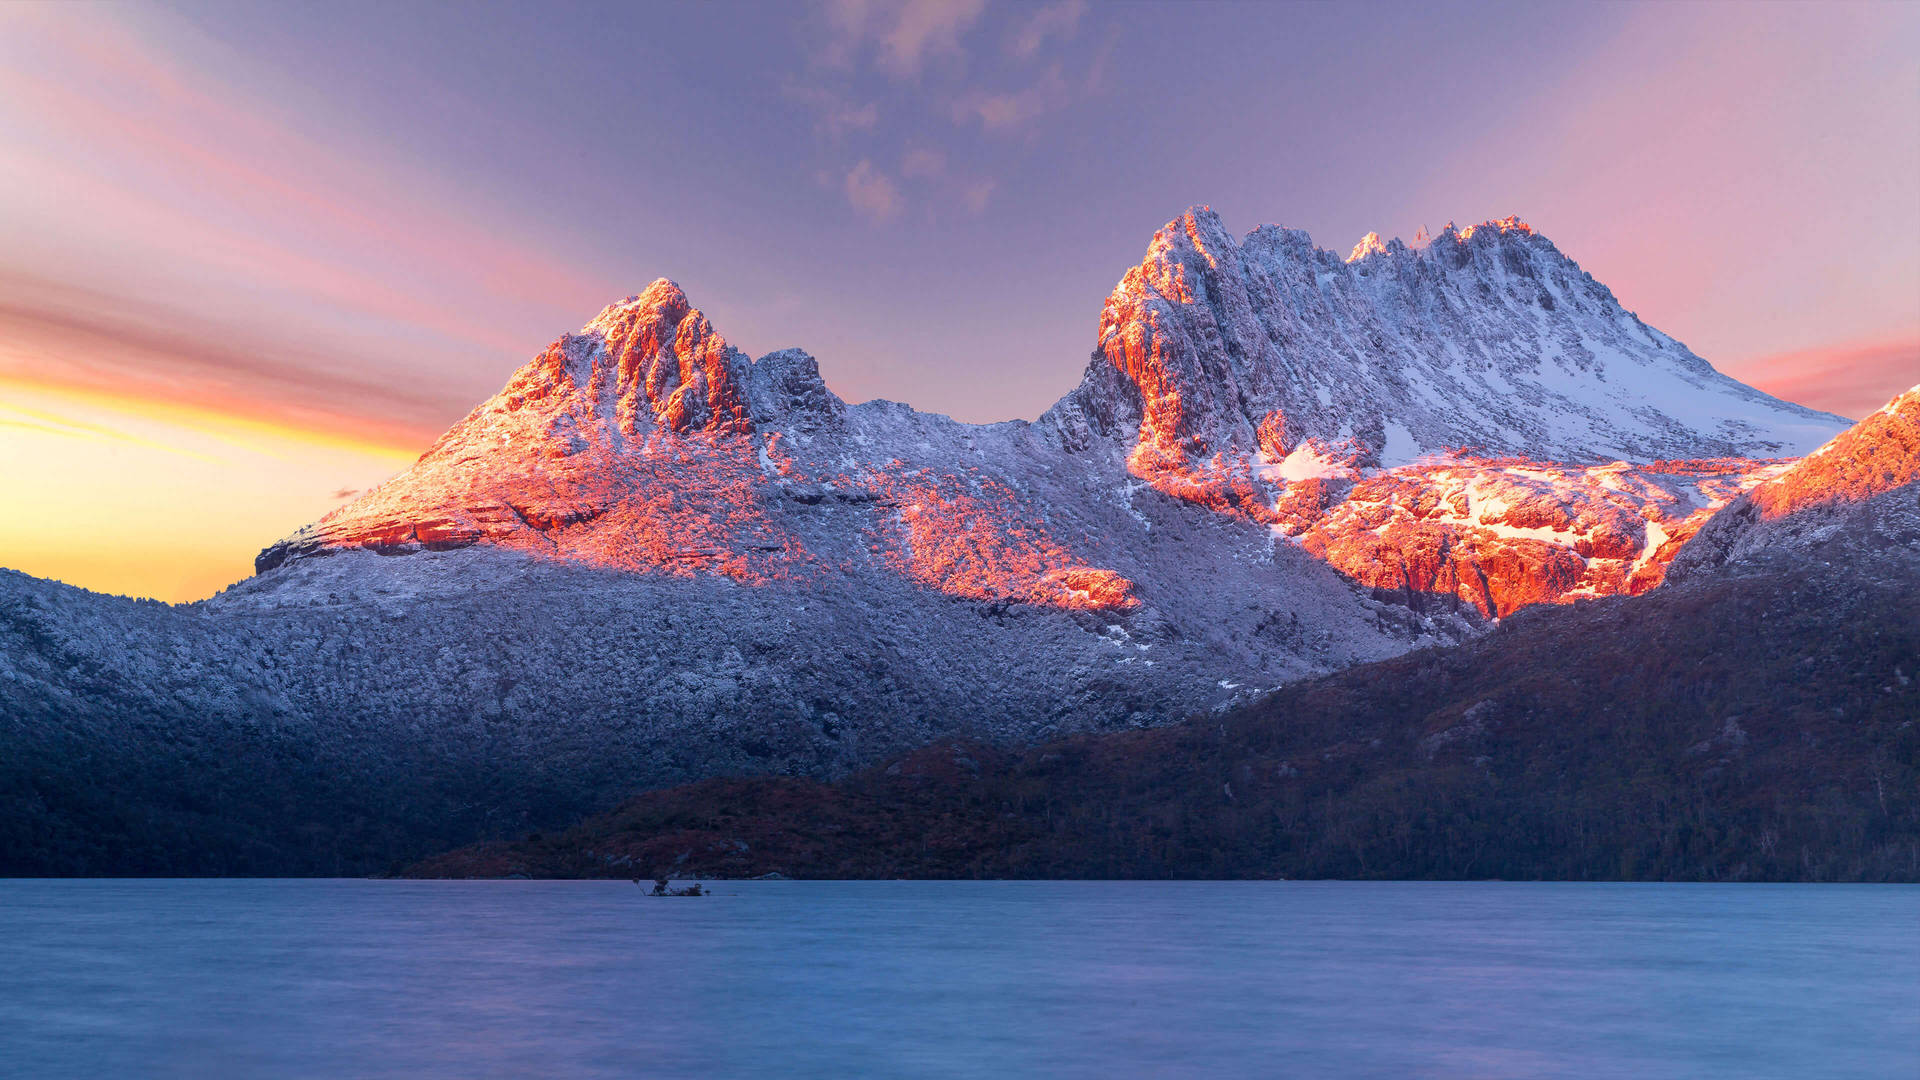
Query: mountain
x=1500, y=389
x=1477, y=397
x=1752, y=719
x=650, y=558
x=1214, y=352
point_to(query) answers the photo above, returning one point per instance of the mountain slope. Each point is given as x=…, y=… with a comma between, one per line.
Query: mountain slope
x=645, y=442
x=1858, y=491
x=1725, y=729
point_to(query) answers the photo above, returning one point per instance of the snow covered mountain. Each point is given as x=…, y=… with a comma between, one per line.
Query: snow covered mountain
x=1486, y=338
x=651, y=558
x=1265, y=382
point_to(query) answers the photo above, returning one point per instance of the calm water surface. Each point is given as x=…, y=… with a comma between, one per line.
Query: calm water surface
x=999, y=979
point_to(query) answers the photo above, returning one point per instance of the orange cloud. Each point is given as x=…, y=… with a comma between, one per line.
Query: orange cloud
x=231, y=420
x=74, y=341
x=50, y=422
x=1851, y=379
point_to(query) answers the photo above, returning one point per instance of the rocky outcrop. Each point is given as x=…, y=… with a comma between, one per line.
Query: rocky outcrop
x=1858, y=491
x=1499, y=534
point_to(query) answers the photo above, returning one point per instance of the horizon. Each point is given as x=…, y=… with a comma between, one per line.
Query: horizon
x=259, y=261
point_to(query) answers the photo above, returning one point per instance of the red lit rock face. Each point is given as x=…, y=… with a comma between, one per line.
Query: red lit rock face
x=1877, y=455
x=970, y=536
x=1497, y=533
x=1501, y=534
x=674, y=503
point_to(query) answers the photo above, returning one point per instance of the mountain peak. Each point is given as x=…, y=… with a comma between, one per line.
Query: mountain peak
x=1879, y=454
x=1488, y=337
x=1494, y=229
x=650, y=359
x=1369, y=244
x=663, y=296
x=1511, y=225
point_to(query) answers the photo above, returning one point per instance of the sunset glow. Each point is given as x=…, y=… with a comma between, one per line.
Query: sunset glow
x=141, y=524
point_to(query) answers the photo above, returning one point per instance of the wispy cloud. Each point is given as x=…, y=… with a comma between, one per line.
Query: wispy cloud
x=1097, y=71
x=947, y=73
x=927, y=168
x=975, y=195
x=56, y=334
x=1851, y=379
x=50, y=423
x=1058, y=19
x=1013, y=110
x=836, y=116
x=903, y=34
x=872, y=192
x=113, y=93
x=923, y=161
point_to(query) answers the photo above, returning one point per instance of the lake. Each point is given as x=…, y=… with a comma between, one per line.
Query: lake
x=962, y=979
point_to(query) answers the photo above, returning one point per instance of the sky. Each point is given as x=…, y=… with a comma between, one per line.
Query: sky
x=254, y=258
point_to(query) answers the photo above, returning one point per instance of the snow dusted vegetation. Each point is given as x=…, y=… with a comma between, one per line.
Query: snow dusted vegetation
x=651, y=558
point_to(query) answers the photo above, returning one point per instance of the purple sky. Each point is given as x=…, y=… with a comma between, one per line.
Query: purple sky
x=354, y=220
x=935, y=198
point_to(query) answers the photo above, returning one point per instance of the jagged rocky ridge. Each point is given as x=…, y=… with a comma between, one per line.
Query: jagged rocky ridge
x=1477, y=419
x=1486, y=339
x=650, y=558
